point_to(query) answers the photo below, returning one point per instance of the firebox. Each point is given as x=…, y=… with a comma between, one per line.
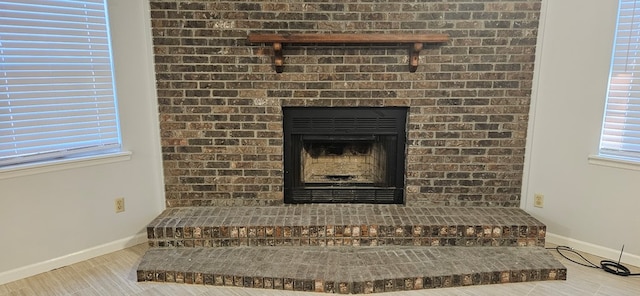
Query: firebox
x=344, y=154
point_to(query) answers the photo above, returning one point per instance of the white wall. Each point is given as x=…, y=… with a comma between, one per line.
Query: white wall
x=589, y=207
x=56, y=218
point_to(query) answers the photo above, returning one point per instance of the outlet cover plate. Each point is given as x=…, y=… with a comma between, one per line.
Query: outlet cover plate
x=119, y=204
x=538, y=200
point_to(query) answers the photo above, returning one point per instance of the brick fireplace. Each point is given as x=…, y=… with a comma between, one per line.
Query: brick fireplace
x=221, y=101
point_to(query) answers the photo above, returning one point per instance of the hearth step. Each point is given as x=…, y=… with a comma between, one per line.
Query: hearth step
x=344, y=225
x=348, y=269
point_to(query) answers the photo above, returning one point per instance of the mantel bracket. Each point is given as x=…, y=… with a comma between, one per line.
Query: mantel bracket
x=414, y=56
x=417, y=41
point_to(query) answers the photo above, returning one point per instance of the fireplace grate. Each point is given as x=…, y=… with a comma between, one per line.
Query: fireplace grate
x=327, y=195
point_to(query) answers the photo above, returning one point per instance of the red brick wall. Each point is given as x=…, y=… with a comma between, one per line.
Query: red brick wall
x=220, y=98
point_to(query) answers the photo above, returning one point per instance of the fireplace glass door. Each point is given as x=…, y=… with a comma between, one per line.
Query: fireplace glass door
x=344, y=155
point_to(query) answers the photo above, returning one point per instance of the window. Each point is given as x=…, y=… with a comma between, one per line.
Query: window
x=57, y=94
x=621, y=127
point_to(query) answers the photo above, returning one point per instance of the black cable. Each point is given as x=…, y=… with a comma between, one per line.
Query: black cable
x=607, y=265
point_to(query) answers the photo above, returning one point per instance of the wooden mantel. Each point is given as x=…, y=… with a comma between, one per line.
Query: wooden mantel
x=417, y=40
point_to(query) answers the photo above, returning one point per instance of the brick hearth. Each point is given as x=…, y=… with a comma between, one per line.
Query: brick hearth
x=353, y=225
x=347, y=248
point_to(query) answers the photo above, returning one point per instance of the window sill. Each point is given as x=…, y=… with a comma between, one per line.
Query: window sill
x=614, y=162
x=62, y=164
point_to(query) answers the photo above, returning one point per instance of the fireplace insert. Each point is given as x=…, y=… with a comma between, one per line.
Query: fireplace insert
x=344, y=154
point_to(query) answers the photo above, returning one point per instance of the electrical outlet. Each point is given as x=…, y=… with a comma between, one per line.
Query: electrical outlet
x=119, y=203
x=538, y=200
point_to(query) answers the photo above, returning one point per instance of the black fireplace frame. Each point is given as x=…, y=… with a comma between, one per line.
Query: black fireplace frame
x=340, y=124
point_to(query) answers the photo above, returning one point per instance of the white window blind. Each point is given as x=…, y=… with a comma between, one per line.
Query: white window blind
x=57, y=95
x=621, y=128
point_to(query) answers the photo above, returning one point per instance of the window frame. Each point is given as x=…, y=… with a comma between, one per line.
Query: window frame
x=69, y=158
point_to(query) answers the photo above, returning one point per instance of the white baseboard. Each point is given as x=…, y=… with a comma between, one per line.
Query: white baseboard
x=610, y=254
x=40, y=267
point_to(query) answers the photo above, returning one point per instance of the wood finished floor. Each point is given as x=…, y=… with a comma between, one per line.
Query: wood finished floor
x=115, y=274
